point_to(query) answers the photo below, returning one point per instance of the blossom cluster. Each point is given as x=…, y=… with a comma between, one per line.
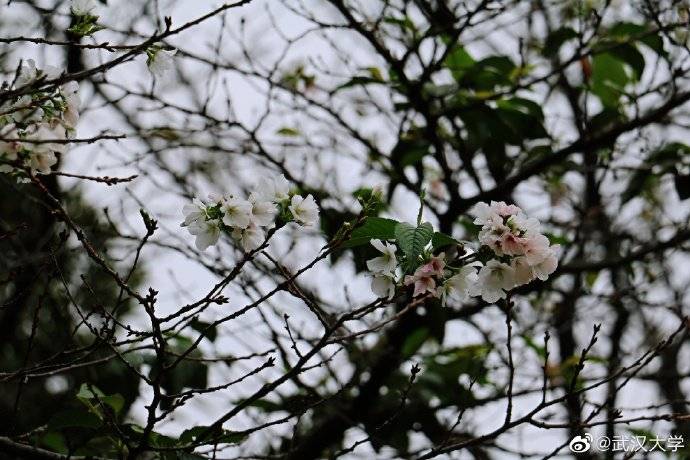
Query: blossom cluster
x=246, y=220
x=512, y=252
x=37, y=125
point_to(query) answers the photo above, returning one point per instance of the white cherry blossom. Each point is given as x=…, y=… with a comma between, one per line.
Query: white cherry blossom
x=461, y=284
x=42, y=156
x=10, y=149
x=304, y=210
x=387, y=262
x=250, y=238
x=523, y=270
x=263, y=212
x=495, y=278
x=383, y=286
x=194, y=211
x=207, y=233
x=42, y=161
x=548, y=265
x=161, y=62
x=237, y=212
x=83, y=7
x=72, y=103
x=275, y=189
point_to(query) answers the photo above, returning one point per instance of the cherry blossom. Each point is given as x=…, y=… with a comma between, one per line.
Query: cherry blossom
x=495, y=278
x=536, y=249
x=42, y=156
x=304, y=210
x=387, y=262
x=487, y=214
x=263, y=212
x=422, y=282
x=250, y=238
x=275, y=189
x=522, y=269
x=548, y=265
x=194, y=211
x=161, y=61
x=434, y=267
x=461, y=284
x=383, y=286
x=72, y=103
x=237, y=212
x=83, y=7
x=246, y=220
x=207, y=233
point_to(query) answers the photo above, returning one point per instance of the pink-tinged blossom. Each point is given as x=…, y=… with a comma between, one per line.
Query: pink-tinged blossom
x=495, y=212
x=492, y=235
x=483, y=214
x=511, y=244
x=536, y=248
x=434, y=267
x=523, y=224
x=423, y=278
x=422, y=284
x=503, y=209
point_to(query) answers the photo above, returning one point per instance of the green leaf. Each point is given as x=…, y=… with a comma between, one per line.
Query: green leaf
x=411, y=148
x=414, y=341
x=360, y=80
x=556, y=239
x=288, y=132
x=373, y=228
x=440, y=240
x=458, y=61
x=203, y=327
x=91, y=396
x=412, y=240
x=631, y=56
x=539, y=349
x=54, y=441
x=222, y=436
x=664, y=160
x=74, y=418
x=375, y=73
x=86, y=26
x=556, y=39
x=608, y=78
x=524, y=118
x=591, y=278
x=628, y=31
